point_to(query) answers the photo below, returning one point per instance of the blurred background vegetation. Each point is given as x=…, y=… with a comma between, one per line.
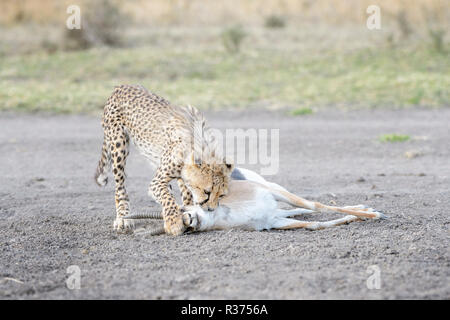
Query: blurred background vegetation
x=278, y=54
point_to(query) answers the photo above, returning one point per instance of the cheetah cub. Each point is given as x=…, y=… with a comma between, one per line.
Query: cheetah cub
x=176, y=142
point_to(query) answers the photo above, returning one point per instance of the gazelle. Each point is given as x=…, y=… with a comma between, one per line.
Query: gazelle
x=252, y=204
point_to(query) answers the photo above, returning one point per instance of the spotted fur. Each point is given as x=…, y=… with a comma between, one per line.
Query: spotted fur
x=175, y=140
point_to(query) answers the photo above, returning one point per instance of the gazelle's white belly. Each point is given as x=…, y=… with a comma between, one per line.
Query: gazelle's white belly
x=252, y=214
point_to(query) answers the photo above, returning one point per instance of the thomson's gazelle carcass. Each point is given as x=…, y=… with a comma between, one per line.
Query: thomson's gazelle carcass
x=252, y=204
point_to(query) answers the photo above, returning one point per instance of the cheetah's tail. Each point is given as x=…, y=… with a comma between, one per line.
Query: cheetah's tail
x=101, y=175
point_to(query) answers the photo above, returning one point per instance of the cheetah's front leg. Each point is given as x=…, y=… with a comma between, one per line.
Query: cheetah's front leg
x=159, y=188
x=186, y=195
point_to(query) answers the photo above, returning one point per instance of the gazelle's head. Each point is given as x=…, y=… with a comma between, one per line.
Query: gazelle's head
x=194, y=217
x=197, y=219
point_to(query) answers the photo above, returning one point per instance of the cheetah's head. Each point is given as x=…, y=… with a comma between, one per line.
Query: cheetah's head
x=207, y=181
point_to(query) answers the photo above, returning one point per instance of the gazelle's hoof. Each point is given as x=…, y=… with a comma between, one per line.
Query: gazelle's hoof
x=382, y=215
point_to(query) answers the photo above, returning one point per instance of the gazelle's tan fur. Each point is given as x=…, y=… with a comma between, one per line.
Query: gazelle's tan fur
x=252, y=204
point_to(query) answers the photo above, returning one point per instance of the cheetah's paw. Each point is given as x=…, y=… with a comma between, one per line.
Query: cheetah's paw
x=122, y=225
x=174, y=225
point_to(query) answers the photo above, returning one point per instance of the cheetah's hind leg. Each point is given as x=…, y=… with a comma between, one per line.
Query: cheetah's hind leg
x=118, y=144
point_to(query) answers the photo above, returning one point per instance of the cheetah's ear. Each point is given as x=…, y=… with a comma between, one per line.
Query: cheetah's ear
x=192, y=160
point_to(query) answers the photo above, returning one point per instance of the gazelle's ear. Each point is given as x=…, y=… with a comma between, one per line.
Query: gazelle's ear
x=229, y=165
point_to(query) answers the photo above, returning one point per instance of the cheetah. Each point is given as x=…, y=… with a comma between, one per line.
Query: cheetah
x=175, y=140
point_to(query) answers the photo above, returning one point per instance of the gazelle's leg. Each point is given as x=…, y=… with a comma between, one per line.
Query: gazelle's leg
x=282, y=213
x=320, y=207
x=361, y=207
x=286, y=223
x=351, y=210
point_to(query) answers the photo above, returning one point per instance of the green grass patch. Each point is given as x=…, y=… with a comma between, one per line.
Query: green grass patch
x=209, y=77
x=301, y=111
x=393, y=137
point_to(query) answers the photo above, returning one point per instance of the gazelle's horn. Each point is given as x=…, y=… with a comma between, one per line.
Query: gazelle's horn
x=152, y=232
x=147, y=215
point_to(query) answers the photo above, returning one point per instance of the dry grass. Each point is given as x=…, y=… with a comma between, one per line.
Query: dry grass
x=324, y=56
x=273, y=69
x=220, y=12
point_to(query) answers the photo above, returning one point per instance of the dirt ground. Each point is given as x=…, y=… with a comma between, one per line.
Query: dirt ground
x=54, y=216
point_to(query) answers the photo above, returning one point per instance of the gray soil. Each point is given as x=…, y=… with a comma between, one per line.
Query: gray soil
x=54, y=216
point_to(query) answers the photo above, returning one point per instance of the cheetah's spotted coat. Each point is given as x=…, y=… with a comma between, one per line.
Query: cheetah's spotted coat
x=165, y=134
